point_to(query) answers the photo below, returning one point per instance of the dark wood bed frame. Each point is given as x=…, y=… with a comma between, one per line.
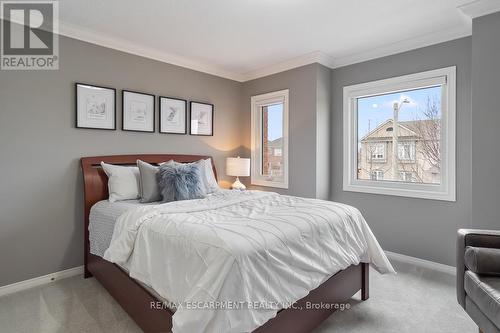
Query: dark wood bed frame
x=137, y=301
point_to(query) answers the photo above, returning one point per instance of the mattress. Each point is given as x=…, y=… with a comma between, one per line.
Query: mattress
x=102, y=219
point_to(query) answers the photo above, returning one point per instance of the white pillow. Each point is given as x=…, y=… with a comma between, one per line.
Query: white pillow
x=208, y=176
x=123, y=181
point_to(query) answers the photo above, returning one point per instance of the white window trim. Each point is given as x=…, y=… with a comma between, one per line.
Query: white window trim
x=256, y=134
x=447, y=189
x=377, y=172
x=404, y=174
x=384, y=152
x=413, y=150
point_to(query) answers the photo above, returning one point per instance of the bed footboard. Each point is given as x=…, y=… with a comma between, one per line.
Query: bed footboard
x=307, y=313
x=336, y=290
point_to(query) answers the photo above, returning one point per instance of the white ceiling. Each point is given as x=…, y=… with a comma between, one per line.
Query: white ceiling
x=244, y=39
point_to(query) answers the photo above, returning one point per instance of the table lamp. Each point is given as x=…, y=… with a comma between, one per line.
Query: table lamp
x=238, y=167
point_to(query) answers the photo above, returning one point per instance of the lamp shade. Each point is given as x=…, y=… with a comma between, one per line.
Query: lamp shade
x=238, y=167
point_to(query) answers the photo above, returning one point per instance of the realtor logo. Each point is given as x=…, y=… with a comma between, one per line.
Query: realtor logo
x=29, y=38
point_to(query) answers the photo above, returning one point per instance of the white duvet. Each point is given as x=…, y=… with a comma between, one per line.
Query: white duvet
x=232, y=260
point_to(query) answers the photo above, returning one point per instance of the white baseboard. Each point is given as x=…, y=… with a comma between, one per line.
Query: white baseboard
x=38, y=281
x=41, y=280
x=431, y=265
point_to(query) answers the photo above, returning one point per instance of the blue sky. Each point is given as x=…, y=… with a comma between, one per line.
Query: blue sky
x=275, y=121
x=375, y=110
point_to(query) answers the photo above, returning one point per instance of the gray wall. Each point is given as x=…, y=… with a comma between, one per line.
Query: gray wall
x=486, y=121
x=41, y=225
x=309, y=97
x=415, y=227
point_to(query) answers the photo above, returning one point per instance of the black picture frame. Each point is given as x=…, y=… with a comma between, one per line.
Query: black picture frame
x=113, y=90
x=153, y=113
x=191, y=118
x=185, y=115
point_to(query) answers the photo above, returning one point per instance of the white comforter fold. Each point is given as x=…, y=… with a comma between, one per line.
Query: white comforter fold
x=232, y=260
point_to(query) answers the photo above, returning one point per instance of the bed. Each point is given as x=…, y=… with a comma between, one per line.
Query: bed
x=146, y=306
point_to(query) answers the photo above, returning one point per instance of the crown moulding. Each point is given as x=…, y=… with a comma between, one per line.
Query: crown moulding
x=471, y=8
x=477, y=8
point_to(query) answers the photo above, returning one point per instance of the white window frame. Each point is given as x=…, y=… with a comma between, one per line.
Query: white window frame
x=257, y=102
x=446, y=190
x=379, y=175
x=413, y=152
x=384, y=153
x=403, y=176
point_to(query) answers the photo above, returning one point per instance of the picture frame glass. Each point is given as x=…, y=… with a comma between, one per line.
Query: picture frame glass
x=172, y=115
x=95, y=107
x=201, y=119
x=138, y=112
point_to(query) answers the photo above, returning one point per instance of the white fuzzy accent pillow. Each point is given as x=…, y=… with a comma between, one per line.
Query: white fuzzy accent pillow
x=123, y=182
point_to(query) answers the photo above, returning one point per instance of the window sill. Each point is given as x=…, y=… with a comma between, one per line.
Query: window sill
x=268, y=183
x=420, y=191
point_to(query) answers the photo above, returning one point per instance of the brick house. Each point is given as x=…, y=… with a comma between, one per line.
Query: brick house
x=273, y=159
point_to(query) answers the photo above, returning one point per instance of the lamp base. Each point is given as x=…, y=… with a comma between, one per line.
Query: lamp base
x=237, y=185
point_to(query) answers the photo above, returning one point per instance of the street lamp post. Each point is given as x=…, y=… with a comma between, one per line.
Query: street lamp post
x=395, y=135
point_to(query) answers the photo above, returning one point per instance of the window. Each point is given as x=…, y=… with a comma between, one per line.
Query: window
x=406, y=176
x=270, y=139
x=406, y=151
x=377, y=151
x=400, y=136
x=377, y=175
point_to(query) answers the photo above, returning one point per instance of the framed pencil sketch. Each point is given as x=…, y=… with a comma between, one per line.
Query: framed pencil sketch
x=173, y=115
x=202, y=119
x=95, y=107
x=138, y=111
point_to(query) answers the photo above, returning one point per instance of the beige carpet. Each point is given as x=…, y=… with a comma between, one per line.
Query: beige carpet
x=415, y=301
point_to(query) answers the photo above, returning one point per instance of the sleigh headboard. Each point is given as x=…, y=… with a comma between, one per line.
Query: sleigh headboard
x=95, y=181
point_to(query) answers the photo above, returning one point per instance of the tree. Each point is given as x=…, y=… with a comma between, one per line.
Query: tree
x=429, y=131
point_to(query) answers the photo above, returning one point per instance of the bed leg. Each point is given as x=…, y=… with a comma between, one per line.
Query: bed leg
x=365, y=281
x=86, y=273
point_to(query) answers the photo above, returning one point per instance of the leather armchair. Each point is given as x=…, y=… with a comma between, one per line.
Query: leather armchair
x=477, y=293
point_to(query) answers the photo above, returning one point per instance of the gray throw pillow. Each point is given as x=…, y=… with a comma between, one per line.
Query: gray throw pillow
x=483, y=260
x=148, y=188
x=179, y=181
